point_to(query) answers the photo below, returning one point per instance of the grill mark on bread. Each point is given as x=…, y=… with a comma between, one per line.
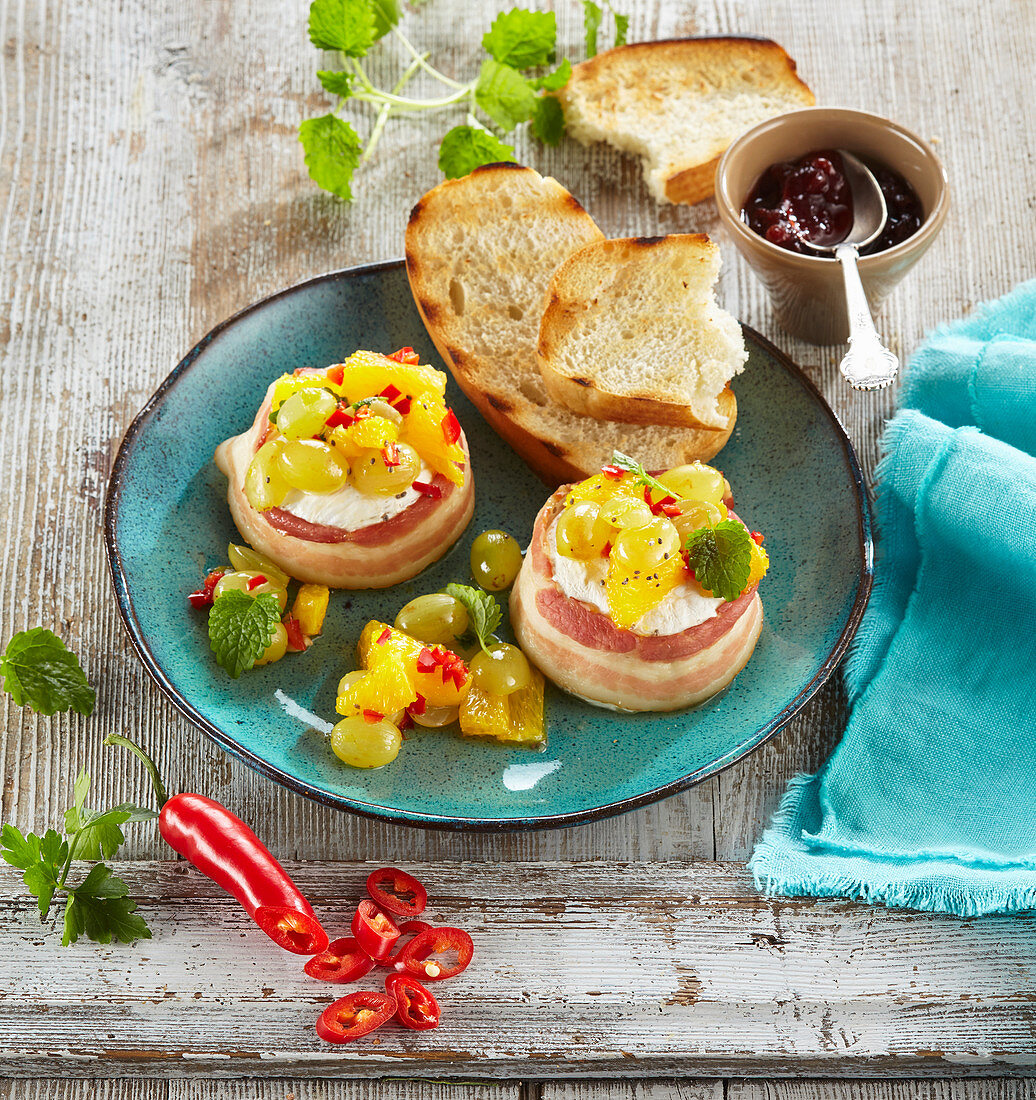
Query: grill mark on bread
x=499, y=403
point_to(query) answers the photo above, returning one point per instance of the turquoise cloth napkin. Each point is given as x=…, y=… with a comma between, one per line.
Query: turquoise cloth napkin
x=929, y=801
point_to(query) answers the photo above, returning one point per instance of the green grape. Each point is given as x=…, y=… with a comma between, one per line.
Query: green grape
x=580, y=532
x=435, y=619
x=645, y=548
x=240, y=581
x=495, y=560
x=276, y=649
x=244, y=557
x=264, y=486
x=386, y=411
x=501, y=671
x=436, y=717
x=312, y=466
x=304, y=414
x=626, y=512
x=363, y=744
x=696, y=481
x=695, y=514
x=372, y=474
x=349, y=679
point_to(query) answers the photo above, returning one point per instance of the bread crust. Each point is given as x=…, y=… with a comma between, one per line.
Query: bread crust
x=554, y=460
x=692, y=181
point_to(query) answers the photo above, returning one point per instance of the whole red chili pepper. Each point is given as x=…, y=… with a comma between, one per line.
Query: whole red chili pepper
x=223, y=847
x=416, y=1008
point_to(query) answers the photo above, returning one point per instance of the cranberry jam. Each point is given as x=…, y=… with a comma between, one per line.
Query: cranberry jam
x=809, y=199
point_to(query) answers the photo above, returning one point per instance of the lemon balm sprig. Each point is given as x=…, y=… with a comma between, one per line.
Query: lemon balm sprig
x=511, y=88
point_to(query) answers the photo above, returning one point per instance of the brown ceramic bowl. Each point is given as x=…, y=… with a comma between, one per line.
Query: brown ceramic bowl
x=806, y=291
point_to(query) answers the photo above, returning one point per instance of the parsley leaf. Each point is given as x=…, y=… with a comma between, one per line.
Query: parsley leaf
x=624, y=462
x=483, y=610
x=98, y=907
x=592, y=16
x=332, y=153
x=522, y=39
x=346, y=25
x=42, y=859
x=39, y=672
x=337, y=82
x=241, y=627
x=504, y=94
x=622, y=26
x=548, y=120
x=466, y=148
x=555, y=80
x=721, y=558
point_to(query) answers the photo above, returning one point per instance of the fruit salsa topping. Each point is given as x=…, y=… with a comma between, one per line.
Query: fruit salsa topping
x=372, y=423
x=248, y=626
x=656, y=533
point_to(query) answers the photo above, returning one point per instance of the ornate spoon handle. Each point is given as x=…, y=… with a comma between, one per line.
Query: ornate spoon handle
x=868, y=364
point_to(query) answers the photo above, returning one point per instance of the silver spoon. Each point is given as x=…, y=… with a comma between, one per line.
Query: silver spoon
x=868, y=364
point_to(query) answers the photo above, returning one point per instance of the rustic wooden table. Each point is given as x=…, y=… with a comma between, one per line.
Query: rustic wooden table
x=150, y=185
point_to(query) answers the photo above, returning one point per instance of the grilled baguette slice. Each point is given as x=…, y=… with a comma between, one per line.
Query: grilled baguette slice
x=480, y=252
x=631, y=331
x=711, y=89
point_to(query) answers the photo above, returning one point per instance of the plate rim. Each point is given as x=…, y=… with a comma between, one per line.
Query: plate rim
x=418, y=818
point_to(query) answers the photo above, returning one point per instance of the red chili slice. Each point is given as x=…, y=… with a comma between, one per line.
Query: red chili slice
x=254, y=582
x=336, y=374
x=614, y=472
x=372, y=716
x=390, y=393
x=757, y=537
x=203, y=597
x=407, y=931
x=296, y=639
x=451, y=426
x=402, y=406
x=343, y=961
x=427, y=488
x=390, y=454
x=405, y=355
x=376, y=931
x=426, y=661
x=340, y=418
x=416, y=1008
x=452, y=946
x=670, y=508
x=397, y=892
x=354, y=1016
x=419, y=705
x=384, y=636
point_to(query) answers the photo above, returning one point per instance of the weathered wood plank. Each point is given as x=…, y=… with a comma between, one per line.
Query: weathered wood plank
x=990, y=1089
x=594, y=970
x=145, y=1088
x=633, y=1090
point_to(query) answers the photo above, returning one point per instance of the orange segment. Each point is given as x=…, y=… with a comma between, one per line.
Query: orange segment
x=760, y=564
x=367, y=374
x=517, y=717
x=384, y=690
x=423, y=430
x=436, y=690
x=631, y=596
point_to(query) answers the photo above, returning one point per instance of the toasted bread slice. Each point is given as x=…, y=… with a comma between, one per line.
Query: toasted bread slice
x=631, y=331
x=480, y=252
x=679, y=103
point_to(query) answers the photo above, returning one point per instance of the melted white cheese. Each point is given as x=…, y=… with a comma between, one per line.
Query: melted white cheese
x=350, y=509
x=685, y=606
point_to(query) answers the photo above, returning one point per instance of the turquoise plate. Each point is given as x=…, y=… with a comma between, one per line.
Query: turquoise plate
x=794, y=473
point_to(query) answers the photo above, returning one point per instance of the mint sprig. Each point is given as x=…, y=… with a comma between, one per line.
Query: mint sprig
x=510, y=89
x=41, y=673
x=631, y=466
x=484, y=613
x=721, y=557
x=241, y=627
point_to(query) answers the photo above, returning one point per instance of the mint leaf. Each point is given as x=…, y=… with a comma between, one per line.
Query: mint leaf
x=555, y=80
x=522, y=39
x=39, y=672
x=548, y=120
x=241, y=627
x=387, y=13
x=336, y=82
x=592, y=16
x=622, y=26
x=346, y=25
x=504, y=94
x=465, y=148
x=624, y=462
x=332, y=150
x=721, y=558
x=483, y=610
